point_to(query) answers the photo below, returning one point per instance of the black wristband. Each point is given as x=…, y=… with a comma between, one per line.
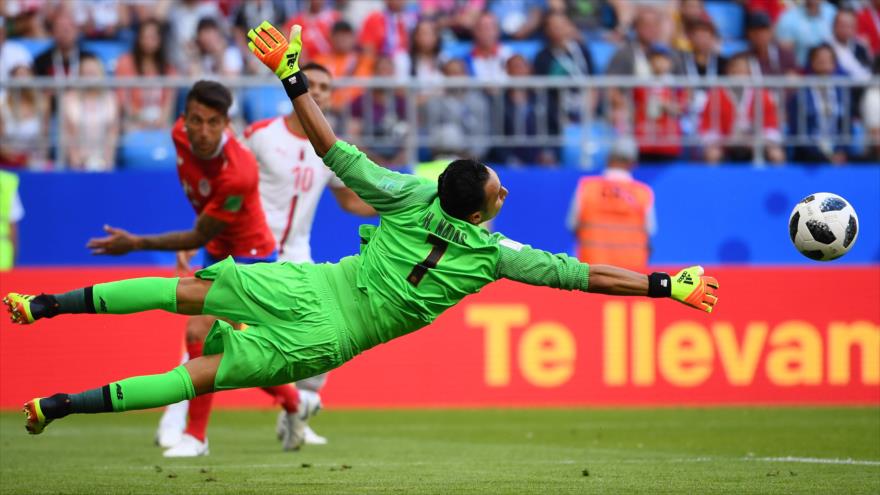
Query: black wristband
x=659, y=285
x=296, y=85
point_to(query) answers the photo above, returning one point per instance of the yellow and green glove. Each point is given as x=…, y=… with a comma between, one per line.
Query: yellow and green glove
x=279, y=55
x=688, y=286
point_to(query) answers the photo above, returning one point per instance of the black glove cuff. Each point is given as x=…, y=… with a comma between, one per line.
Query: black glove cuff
x=296, y=85
x=659, y=285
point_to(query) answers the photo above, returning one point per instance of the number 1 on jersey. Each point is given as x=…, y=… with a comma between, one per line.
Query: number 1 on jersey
x=419, y=271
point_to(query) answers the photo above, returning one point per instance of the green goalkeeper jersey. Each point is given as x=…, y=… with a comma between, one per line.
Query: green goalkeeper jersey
x=420, y=261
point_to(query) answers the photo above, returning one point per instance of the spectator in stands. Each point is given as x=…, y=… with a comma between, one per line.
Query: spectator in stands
x=853, y=56
x=657, y=111
x=870, y=115
x=12, y=55
x=629, y=11
x=213, y=54
x=63, y=58
x=343, y=60
x=464, y=109
x=25, y=18
x=142, y=11
x=423, y=60
x=820, y=115
x=632, y=60
x=519, y=19
x=183, y=18
x=563, y=56
x=386, y=32
x=869, y=24
x=455, y=16
x=317, y=20
x=612, y=216
x=704, y=58
x=91, y=122
x=804, y=25
x=488, y=59
x=520, y=111
x=688, y=13
x=703, y=61
x=24, y=120
x=102, y=19
x=248, y=14
x=147, y=107
x=378, y=122
x=596, y=16
x=727, y=123
x=768, y=58
x=771, y=8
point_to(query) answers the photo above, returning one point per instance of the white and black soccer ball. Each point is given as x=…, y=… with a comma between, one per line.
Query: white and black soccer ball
x=823, y=226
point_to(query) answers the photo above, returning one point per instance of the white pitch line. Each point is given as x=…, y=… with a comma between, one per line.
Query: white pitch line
x=814, y=460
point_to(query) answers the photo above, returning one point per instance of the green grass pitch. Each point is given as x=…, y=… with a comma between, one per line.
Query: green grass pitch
x=543, y=451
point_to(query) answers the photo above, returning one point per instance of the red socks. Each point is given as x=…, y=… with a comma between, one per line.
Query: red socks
x=287, y=395
x=200, y=406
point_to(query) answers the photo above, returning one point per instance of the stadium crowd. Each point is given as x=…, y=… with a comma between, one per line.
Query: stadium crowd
x=492, y=41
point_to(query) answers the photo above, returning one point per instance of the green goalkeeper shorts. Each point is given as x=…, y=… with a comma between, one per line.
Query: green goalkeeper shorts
x=295, y=328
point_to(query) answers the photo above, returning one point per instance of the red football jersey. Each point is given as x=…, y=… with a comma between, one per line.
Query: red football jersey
x=226, y=188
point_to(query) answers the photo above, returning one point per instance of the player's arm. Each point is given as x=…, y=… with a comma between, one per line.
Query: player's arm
x=273, y=49
x=120, y=241
x=381, y=188
x=537, y=267
x=349, y=201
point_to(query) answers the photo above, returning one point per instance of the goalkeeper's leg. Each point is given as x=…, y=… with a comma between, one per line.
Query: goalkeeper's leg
x=176, y=295
x=194, y=378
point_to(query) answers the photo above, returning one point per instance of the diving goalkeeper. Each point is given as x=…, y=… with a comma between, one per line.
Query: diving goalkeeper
x=427, y=253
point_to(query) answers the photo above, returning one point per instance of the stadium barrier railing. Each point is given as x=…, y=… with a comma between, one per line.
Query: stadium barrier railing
x=575, y=119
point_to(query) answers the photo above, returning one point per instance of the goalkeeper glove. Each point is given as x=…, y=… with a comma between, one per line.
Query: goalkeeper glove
x=688, y=286
x=280, y=56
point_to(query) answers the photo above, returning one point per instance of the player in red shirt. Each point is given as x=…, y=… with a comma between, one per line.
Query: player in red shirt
x=220, y=178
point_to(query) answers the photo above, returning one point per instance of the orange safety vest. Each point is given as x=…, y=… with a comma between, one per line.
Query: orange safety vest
x=612, y=222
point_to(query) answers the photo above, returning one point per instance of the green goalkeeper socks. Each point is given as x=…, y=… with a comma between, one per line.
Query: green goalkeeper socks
x=122, y=297
x=135, y=295
x=139, y=392
x=146, y=392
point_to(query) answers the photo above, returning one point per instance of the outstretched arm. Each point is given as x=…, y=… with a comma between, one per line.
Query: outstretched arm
x=349, y=201
x=281, y=56
x=537, y=267
x=382, y=189
x=120, y=241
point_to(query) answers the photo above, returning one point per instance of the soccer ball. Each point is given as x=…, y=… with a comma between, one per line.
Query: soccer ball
x=823, y=226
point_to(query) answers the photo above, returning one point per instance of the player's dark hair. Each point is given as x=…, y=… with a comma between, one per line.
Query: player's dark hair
x=461, y=188
x=211, y=94
x=315, y=66
x=341, y=27
x=207, y=23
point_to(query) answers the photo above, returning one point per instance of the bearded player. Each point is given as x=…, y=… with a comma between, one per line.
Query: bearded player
x=427, y=253
x=292, y=179
x=220, y=179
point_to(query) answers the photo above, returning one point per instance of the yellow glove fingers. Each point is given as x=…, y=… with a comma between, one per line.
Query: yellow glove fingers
x=711, y=282
x=295, y=32
x=258, y=43
x=267, y=39
x=275, y=34
x=253, y=48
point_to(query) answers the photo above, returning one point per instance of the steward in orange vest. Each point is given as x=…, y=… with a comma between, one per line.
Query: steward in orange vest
x=612, y=215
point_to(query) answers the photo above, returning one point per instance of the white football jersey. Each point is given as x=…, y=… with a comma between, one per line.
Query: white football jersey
x=292, y=178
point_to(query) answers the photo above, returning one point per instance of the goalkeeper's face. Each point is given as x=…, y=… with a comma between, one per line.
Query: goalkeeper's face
x=495, y=196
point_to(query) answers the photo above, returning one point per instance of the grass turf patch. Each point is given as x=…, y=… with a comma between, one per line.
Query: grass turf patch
x=724, y=450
